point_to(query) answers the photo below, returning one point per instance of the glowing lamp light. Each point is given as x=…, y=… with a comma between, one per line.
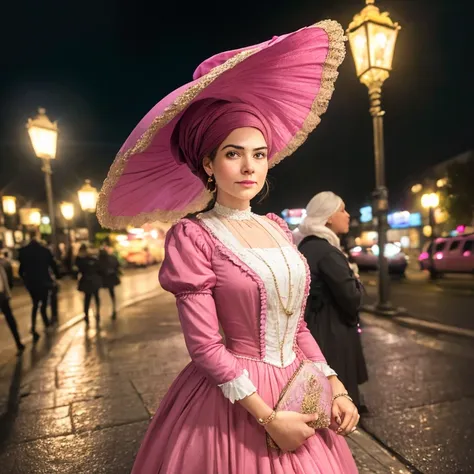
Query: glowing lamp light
x=441, y=183
x=467, y=253
x=45, y=220
x=372, y=37
x=416, y=188
x=9, y=205
x=439, y=256
x=30, y=216
x=67, y=210
x=44, y=135
x=430, y=200
x=88, y=197
x=460, y=229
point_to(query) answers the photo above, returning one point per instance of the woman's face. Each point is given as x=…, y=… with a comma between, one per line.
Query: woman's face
x=339, y=221
x=240, y=167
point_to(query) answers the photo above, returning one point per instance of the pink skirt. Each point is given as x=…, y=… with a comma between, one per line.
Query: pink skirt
x=196, y=430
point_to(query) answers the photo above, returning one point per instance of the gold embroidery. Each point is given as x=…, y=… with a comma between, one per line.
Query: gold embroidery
x=334, y=58
x=311, y=402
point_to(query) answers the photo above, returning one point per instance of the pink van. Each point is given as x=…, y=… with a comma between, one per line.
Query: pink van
x=450, y=255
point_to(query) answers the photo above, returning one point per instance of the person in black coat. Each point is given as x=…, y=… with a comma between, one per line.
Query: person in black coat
x=37, y=265
x=110, y=272
x=332, y=311
x=90, y=281
x=6, y=284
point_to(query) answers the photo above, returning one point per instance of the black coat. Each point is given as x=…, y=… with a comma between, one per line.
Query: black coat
x=109, y=269
x=90, y=280
x=37, y=266
x=7, y=266
x=332, y=311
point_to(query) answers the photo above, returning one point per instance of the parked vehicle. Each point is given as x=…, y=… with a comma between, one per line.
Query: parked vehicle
x=449, y=255
x=366, y=257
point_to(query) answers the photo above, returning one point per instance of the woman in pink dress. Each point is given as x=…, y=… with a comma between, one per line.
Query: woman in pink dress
x=211, y=143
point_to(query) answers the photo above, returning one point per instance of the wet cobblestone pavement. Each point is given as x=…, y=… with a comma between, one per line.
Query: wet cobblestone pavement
x=420, y=395
x=81, y=402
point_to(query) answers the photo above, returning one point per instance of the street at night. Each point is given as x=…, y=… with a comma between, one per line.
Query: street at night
x=173, y=302
x=448, y=301
x=81, y=401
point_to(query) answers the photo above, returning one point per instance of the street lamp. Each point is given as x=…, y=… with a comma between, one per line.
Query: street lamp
x=9, y=205
x=67, y=210
x=372, y=36
x=44, y=138
x=88, y=200
x=30, y=216
x=430, y=201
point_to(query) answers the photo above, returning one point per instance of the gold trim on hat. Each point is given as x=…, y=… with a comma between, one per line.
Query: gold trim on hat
x=335, y=56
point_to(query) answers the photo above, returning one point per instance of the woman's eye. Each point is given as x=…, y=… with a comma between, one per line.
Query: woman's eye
x=231, y=154
x=260, y=155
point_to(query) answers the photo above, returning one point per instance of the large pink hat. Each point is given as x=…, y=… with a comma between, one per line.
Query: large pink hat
x=288, y=79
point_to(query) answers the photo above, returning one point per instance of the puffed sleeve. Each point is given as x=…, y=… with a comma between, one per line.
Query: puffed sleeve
x=305, y=339
x=187, y=273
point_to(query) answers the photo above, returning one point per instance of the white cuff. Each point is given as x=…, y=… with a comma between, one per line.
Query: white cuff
x=238, y=388
x=324, y=368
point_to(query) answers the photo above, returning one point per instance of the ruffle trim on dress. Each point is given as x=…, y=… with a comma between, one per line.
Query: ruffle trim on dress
x=233, y=258
x=282, y=224
x=238, y=388
x=325, y=369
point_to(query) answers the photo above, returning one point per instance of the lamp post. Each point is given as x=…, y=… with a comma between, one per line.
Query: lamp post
x=9, y=210
x=9, y=205
x=88, y=200
x=430, y=201
x=67, y=210
x=372, y=37
x=44, y=138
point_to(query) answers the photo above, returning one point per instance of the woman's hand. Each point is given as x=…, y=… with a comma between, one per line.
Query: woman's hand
x=289, y=429
x=344, y=416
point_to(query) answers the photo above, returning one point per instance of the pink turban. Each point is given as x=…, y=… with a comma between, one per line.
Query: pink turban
x=206, y=124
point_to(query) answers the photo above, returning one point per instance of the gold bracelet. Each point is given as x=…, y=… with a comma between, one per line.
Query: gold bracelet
x=265, y=421
x=345, y=394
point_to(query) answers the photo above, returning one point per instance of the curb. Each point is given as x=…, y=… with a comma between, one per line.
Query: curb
x=402, y=317
x=387, y=457
x=431, y=326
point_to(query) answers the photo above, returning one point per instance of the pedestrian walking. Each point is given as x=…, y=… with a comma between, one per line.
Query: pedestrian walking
x=90, y=280
x=37, y=265
x=206, y=149
x=110, y=272
x=6, y=284
x=332, y=310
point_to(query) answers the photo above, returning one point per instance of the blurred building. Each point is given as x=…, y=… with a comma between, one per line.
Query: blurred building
x=409, y=220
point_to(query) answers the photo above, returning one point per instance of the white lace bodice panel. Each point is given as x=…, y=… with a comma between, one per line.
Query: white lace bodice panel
x=279, y=328
x=278, y=350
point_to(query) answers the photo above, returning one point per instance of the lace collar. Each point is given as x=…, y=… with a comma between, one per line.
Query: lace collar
x=232, y=214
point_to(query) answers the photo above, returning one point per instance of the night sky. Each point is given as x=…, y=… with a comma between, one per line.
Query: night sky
x=98, y=67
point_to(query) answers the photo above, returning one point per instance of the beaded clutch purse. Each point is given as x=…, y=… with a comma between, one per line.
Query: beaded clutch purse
x=308, y=391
